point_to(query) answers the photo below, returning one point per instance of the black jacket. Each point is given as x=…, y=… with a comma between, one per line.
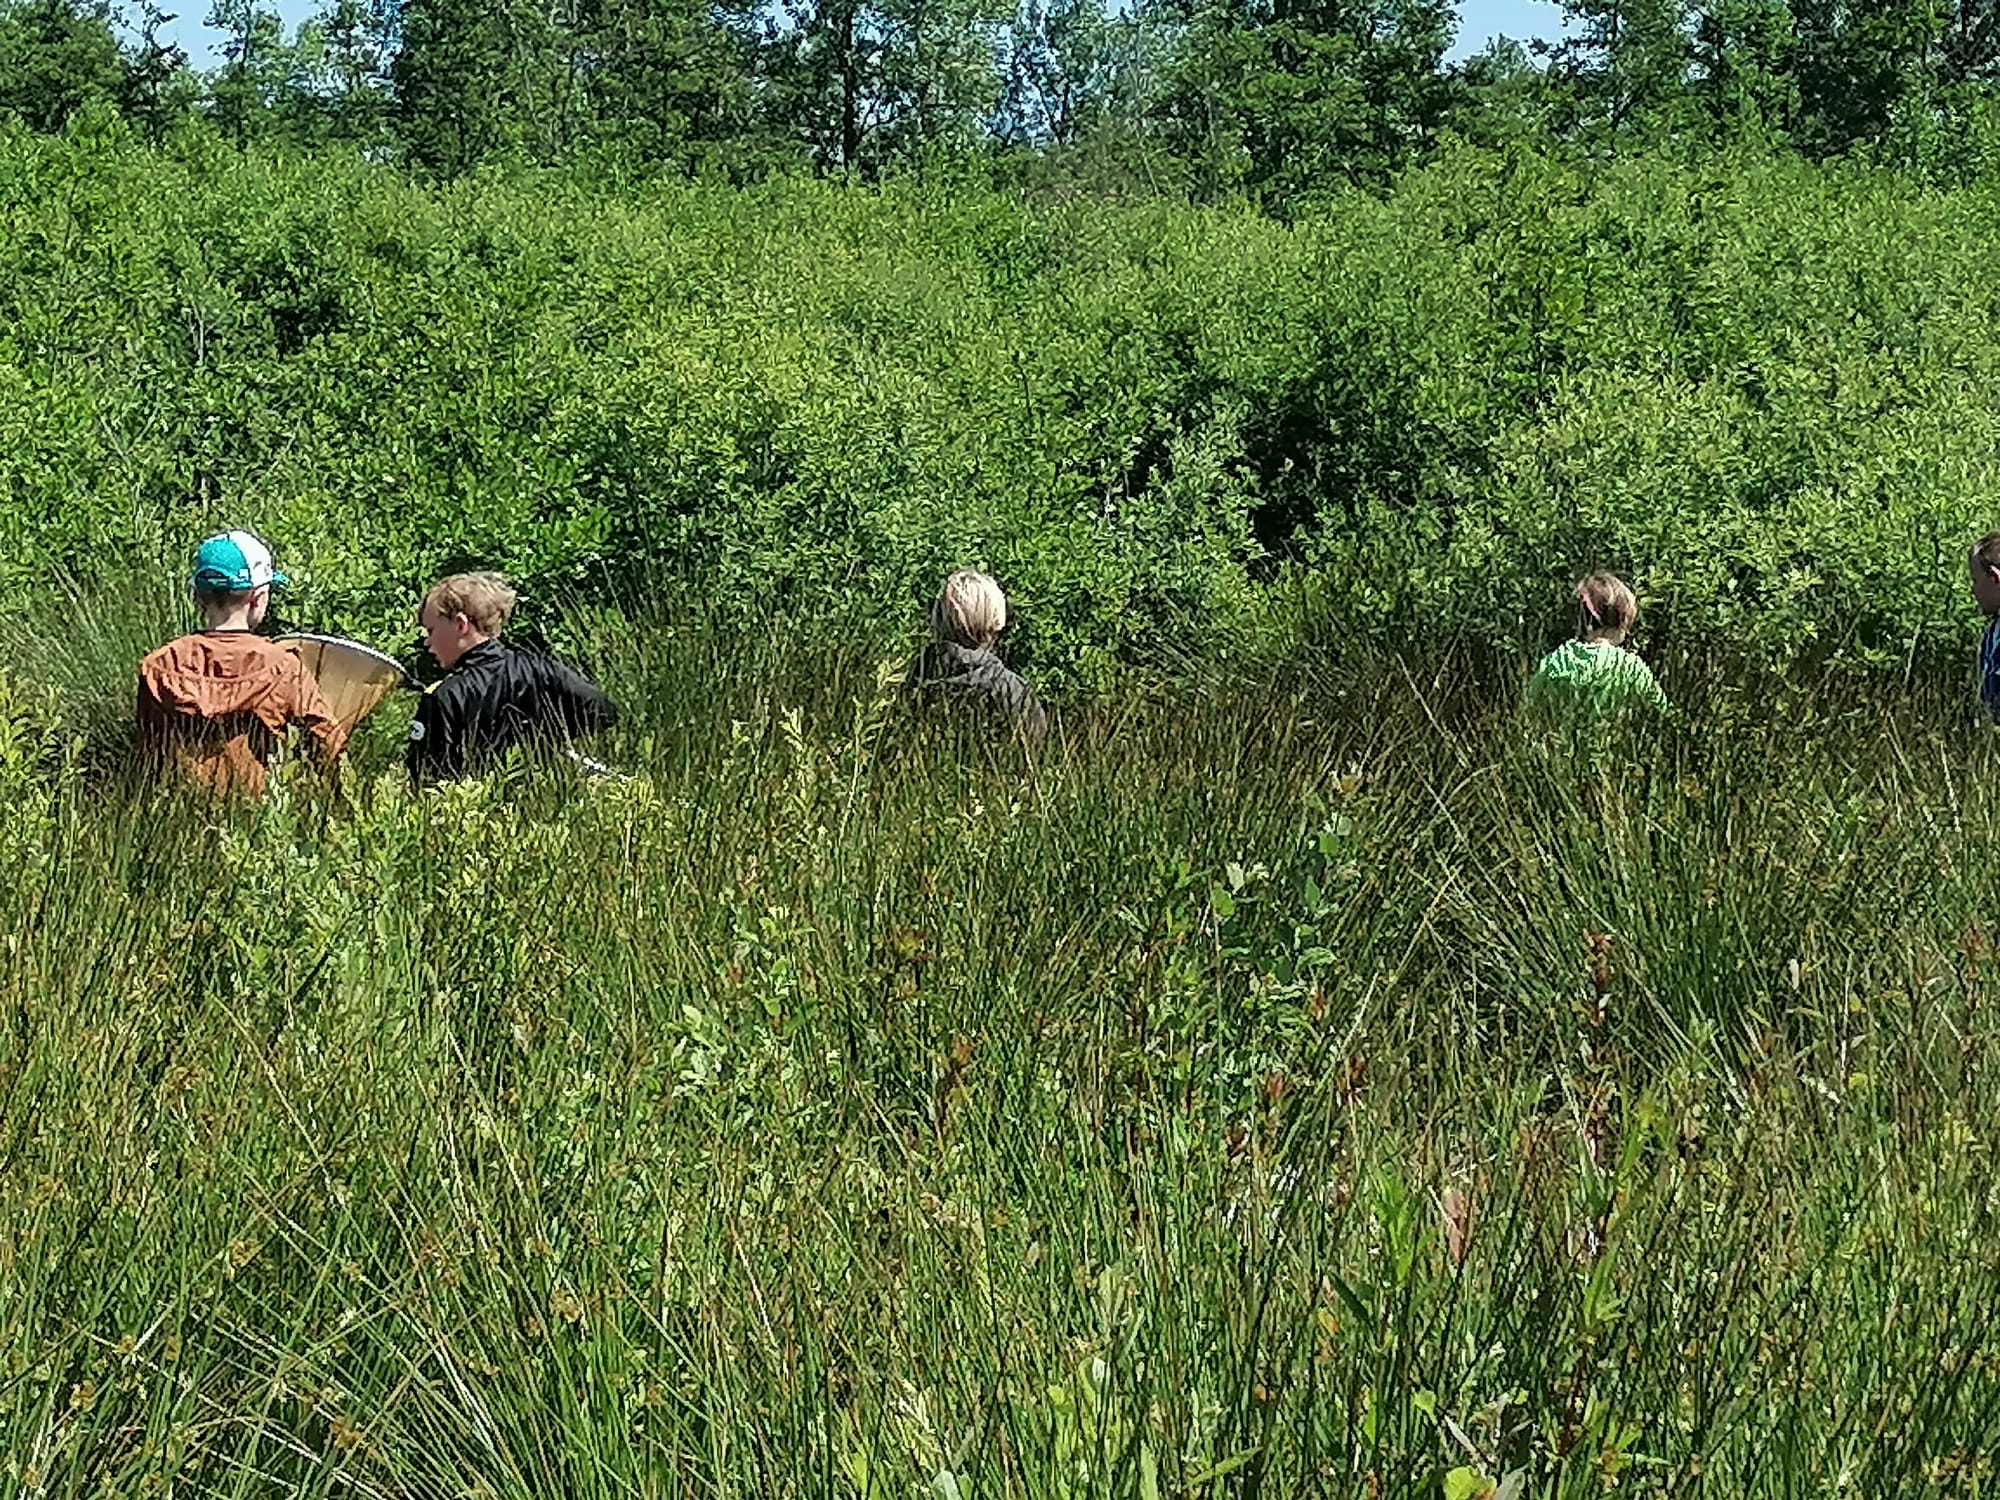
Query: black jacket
x=980, y=681
x=494, y=699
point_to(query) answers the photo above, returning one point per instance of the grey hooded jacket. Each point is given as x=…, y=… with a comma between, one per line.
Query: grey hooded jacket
x=979, y=681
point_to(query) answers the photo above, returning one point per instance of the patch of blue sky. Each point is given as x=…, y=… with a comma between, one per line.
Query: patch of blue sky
x=1479, y=22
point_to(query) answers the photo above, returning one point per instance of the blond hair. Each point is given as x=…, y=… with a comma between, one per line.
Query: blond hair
x=1604, y=606
x=486, y=599
x=970, y=611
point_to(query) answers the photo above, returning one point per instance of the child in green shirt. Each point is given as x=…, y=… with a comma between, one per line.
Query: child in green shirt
x=1595, y=674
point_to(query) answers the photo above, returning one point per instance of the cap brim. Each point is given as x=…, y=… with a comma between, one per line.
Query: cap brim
x=223, y=583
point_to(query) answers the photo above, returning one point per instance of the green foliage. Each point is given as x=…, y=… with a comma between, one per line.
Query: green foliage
x=1625, y=73
x=56, y=56
x=452, y=110
x=1283, y=101
x=1075, y=73
x=254, y=81
x=1531, y=369
x=1289, y=99
x=615, y=85
x=868, y=86
x=1252, y=1090
x=1753, y=386
x=670, y=84
x=610, y=399
x=1856, y=64
x=1742, y=60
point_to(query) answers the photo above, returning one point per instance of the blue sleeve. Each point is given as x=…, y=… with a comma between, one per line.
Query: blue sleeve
x=1989, y=670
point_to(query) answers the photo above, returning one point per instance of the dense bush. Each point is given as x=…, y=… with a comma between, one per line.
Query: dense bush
x=1762, y=389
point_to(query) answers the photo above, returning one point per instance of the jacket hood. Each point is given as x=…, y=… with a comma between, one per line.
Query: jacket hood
x=963, y=674
x=218, y=674
x=946, y=661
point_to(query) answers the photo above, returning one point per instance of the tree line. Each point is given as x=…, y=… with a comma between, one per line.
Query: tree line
x=1270, y=99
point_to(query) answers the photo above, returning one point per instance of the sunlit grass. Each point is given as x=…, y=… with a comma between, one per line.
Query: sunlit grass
x=1317, y=1086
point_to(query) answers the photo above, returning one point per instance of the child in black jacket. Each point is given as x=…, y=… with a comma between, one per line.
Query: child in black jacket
x=494, y=697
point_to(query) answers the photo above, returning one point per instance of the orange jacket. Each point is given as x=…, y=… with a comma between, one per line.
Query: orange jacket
x=219, y=703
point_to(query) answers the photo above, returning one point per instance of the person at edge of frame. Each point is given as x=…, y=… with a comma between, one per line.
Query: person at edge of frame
x=1983, y=563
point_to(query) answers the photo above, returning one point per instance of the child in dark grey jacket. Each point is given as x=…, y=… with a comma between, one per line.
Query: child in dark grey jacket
x=960, y=666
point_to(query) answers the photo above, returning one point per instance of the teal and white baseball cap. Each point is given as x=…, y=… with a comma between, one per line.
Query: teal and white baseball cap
x=234, y=562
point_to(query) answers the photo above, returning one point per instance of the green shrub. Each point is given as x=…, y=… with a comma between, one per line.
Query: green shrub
x=1757, y=387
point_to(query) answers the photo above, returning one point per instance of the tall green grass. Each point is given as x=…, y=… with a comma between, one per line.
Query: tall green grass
x=1317, y=1085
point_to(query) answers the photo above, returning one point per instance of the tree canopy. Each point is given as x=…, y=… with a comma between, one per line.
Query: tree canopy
x=1275, y=100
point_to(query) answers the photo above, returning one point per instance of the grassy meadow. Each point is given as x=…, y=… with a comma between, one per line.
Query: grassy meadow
x=1317, y=1083
x=1300, y=1078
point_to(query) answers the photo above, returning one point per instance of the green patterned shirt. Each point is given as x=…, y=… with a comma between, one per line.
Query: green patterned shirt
x=1594, y=677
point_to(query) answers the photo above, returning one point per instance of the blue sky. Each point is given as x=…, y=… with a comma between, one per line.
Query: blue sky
x=1480, y=21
